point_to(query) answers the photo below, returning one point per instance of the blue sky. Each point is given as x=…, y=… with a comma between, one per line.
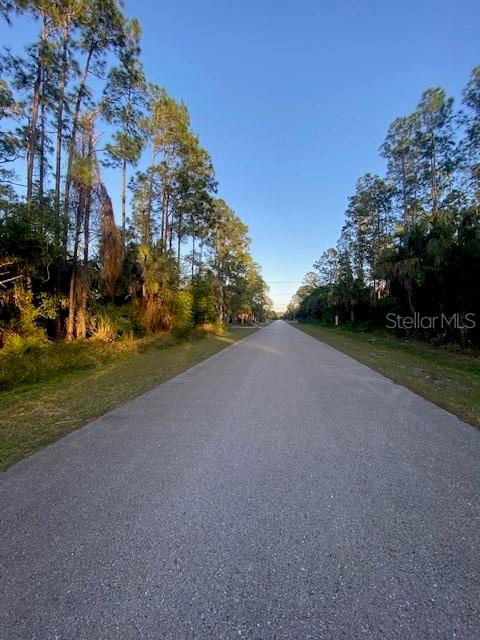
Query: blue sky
x=292, y=98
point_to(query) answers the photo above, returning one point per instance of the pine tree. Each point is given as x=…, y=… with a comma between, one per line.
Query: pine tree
x=122, y=105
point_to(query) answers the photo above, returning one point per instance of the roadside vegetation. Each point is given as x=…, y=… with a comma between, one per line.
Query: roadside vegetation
x=101, y=298
x=448, y=376
x=79, y=120
x=54, y=389
x=408, y=257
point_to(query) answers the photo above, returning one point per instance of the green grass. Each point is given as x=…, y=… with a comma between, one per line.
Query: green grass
x=447, y=377
x=52, y=390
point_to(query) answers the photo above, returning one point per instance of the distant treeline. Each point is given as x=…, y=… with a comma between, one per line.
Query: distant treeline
x=410, y=245
x=77, y=101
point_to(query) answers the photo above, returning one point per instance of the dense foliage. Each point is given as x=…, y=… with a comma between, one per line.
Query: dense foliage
x=408, y=257
x=76, y=107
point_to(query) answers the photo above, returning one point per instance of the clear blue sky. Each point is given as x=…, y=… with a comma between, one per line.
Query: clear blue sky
x=292, y=98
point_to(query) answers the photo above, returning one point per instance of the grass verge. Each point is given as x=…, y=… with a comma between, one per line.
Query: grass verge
x=448, y=378
x=57, y=388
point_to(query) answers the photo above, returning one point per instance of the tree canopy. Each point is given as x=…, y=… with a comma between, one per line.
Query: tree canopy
x=170, y=254
x=410, y=243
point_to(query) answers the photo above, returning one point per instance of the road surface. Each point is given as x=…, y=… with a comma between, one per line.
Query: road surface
x=277, y=490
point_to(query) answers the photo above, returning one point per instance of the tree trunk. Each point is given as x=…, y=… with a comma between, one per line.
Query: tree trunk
x=179, y=240
x=81, y=323
x=408, y=286
x=150, y=199
x=85, y=276
x=58, y=146
x=124, y=202
x=71, y=299
x=193, y=255
x=32, y=138
x=32, y=135
x=57, y=322
x=73, y=280
x=168, y=237
x=404, y=194
x=71, y=146
x=414, y=208
x=41, y=166
x=433, y=169
x=162, y=223
x=221, y=305
x=82, y=218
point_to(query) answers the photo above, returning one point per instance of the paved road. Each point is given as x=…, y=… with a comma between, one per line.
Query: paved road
x=279, y=490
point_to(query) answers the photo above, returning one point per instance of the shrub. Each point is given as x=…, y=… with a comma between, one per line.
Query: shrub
x=41, y=363
x=160, y=276
x=183, y=304
x=204, y=301
x=14, y=343
x=111, y=323
x=24, y=331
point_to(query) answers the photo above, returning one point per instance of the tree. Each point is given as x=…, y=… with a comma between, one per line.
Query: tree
x=10, y=143
x=6, y=9
x=230, y=258
x=159, y=284
x=410, y=243
x=471, y=99
x=192, y=189
x=327, y=267
x=347, y=291
x=436, y=144
x=402, y=153
x=167, y=127
x=65, y=17
x=84, y=175
x=33, y=74
x=122, y=105
x=369, y=220
x=61, y=242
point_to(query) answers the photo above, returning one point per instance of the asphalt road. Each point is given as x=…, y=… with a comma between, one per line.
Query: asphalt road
x=277, y=490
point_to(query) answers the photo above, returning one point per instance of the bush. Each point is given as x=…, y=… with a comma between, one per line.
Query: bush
x=39, y=363
x=24, y=331
x=204, y=301
x=183, y=304
x=111, y=323
x=14, y=343
x=160, y=277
